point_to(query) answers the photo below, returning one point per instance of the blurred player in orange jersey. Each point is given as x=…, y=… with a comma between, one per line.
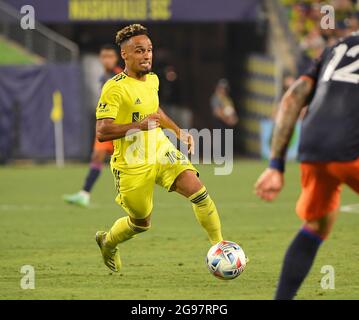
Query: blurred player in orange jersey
x=109, y=60
x=328, y=152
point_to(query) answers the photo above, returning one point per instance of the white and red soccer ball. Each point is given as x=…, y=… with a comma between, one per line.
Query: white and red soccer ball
x=226, y=260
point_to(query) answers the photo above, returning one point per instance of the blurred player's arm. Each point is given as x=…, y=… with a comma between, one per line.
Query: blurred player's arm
x=271, y=181
x=291, y=105
x=167, y=123
x=107, y=130
x=219, y=113
x=229, y=117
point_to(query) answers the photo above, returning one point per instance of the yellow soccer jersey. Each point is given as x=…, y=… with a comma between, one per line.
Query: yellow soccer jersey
x=127, y=100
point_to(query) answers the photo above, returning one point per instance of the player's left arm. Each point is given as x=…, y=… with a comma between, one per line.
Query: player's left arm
x=167, y=123
x=294, y=100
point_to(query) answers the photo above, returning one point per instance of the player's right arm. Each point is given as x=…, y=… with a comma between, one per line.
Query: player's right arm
x=271, y=182
x=107, y=111
x=293, y=101
x=107, y=130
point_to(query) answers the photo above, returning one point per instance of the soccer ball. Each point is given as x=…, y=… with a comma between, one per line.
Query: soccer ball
x=226, y=260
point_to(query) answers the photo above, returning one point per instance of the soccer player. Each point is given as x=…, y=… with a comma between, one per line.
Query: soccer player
x=109, y=60
x=328, y=152
x=129, y=114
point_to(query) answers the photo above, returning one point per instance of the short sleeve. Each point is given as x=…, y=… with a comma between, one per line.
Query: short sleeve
x=109, y=103
x=314, y=69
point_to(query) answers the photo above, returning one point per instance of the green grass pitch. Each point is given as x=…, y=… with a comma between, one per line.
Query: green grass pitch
x=168, y=262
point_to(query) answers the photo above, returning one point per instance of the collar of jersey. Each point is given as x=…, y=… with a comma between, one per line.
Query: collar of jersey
x=135, y=78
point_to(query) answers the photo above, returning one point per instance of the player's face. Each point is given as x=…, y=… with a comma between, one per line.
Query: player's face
x=108, y=59
x=137, y=53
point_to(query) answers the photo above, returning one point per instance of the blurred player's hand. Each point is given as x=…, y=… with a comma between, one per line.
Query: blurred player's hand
x=187, y=139
x=152, y=121
x=269, y=184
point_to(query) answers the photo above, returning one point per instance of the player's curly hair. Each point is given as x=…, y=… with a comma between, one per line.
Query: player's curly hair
x=128, y=32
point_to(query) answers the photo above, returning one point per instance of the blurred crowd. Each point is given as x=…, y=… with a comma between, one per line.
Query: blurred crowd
x=305, y=22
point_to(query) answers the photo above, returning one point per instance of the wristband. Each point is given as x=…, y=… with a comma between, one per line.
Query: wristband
x=277, y=163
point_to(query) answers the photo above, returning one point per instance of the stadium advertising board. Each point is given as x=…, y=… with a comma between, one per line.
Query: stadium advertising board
x=140, y=10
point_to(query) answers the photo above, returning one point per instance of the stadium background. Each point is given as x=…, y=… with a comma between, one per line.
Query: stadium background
x=203, y=43
x=52, y=71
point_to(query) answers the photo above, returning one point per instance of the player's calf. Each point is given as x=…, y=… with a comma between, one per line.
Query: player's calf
x=126, y=228
x=207, y=214
x=189, y=185
x=301, y=254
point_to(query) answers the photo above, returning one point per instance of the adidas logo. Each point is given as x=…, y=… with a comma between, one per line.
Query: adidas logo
x=138, y=101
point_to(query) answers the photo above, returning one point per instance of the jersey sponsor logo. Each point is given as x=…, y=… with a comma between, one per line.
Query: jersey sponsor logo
x=137, y=117
x=138, y=101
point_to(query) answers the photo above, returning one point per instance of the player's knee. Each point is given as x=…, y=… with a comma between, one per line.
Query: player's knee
x=141, y=225
x=322, y=226
x=319, y=228
x=187, y=183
